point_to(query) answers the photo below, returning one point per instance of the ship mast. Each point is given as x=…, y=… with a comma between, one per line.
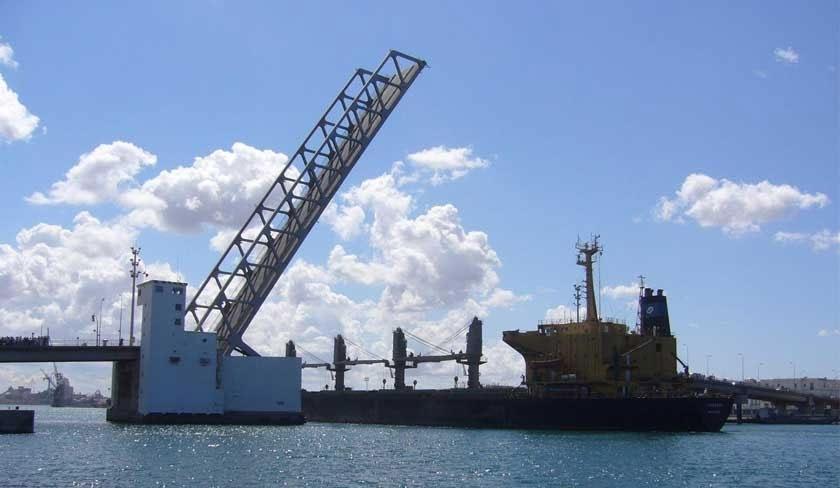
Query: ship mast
x=586, y=258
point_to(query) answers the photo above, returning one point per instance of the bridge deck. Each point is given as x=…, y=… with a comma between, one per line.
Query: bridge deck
x=67, y=354
x=757, y=392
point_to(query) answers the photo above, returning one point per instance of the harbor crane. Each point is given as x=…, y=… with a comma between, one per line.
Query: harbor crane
x=231, y=295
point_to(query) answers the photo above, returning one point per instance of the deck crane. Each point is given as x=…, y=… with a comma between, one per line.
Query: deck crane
x=239, y=283
x=471, y=358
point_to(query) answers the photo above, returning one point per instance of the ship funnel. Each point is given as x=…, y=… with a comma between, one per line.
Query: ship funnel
x=653, y=314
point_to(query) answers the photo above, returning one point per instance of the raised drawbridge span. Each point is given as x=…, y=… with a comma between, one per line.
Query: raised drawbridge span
x=231, y=295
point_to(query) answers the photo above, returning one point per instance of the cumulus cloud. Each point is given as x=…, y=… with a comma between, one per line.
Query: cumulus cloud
x=819, y=241
x=786, y=55
x=7, y=55
x=621, y=291
x=16, y=122
x=346, y=222
x=98, y=176
x=422, y=261
x=501, y=298
x=218, y=190
x=56, y=276
x=446, y=164
x=736, y=208
x=564, y=313
x=425, y=271
x=828, y=332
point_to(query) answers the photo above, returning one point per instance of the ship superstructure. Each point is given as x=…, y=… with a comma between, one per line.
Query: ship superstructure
x=601, y=358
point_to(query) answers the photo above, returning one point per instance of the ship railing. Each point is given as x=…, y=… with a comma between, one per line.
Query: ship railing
x=89, y=341
x=571, y=320
x=557, y=321
x=614, y=320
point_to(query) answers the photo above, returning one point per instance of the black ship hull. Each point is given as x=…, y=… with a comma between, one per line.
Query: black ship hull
x=502, y=409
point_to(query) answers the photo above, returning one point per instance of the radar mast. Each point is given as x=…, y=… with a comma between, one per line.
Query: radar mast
x=586, y=258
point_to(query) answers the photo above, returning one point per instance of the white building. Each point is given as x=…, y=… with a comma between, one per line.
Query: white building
x=181, y=372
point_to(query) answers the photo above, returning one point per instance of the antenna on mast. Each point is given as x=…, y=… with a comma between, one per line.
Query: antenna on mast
x=639, y=305
x=577, y=296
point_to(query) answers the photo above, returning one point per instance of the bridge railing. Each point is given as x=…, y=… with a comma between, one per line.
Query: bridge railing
x=45, y=341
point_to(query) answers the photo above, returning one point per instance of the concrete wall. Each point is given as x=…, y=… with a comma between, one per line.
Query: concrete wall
x=261, y=384
x=177, y=368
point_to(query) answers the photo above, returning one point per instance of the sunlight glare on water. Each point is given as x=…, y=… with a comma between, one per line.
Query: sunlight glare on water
x=76, y=447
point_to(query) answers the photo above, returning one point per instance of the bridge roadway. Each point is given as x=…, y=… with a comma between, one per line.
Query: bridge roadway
x=763, y=393
x=67, y=354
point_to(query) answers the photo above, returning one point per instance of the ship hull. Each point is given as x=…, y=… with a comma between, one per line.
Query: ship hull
x=499, y=409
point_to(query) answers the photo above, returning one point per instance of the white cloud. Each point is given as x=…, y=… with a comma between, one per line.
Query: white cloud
x=734, y=207
x=564, y=313
x=760, y=74
x=98, y=175
x=828, y=332
x=429, y=260
x=501, y=298
x=218, y=190
x=446, y=163
x=425, y=272
x=16, y=122
x=346, y=222
x=819, y=241
x=786, y=55
x=621, y=291
x=7, y=55
x=57, y=276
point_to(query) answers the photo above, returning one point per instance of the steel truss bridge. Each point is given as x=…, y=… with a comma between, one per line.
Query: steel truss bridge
x=239, y=283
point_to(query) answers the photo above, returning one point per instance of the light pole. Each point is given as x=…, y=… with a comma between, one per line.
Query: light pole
x=119, y=333
x=742, y=365
x=758, y=372
x=707, y=364
x=794, y=373
x=99, y=322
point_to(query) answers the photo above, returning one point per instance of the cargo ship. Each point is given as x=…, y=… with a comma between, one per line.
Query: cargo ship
x=580, y=374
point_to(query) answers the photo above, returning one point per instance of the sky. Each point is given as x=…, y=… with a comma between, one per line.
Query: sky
x=700, y=141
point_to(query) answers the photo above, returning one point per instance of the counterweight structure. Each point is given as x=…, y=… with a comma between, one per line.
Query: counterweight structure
x=233, y=292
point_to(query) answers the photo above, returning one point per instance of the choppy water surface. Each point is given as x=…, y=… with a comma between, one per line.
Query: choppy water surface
x=76, y=447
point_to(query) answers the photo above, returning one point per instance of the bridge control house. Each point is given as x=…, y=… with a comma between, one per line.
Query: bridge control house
x=182, y=376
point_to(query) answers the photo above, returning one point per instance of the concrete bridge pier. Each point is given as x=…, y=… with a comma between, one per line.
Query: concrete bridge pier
x=125, y=388
x=739, y=407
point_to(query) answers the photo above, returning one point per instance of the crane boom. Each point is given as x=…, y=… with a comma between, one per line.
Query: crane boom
x=233, y=292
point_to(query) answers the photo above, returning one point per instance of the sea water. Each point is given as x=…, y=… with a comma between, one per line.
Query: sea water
x=77, y=447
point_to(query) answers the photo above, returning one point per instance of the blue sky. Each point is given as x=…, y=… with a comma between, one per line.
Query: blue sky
x=586, y=115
